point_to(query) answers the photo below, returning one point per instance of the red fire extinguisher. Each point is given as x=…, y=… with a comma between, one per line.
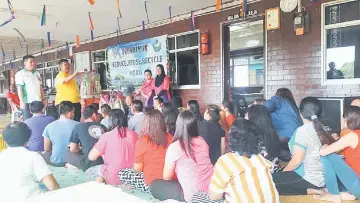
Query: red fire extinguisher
x=204, y=39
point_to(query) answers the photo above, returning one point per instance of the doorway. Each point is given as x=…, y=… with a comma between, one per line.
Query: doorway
x=243, y=59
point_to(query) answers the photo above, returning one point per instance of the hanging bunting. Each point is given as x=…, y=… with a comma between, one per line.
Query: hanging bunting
x=146, y=11
x=192, y=20
x=143, y=29
x=22, y=36
x=118, y=7
x=12, y=13
x=20, y=42
x=27, y=49
x=56, y=26
x=91, y=2
x=170, y=15
x=49, y=39
x=218, y=5
x=92, y=35
x=91, y=22
x=77, y=41
x=43, y=16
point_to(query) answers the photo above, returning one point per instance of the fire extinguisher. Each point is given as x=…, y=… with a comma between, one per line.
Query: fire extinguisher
x=204, y=39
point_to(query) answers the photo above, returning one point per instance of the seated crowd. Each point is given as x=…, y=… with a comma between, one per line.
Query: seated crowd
x=172, y=152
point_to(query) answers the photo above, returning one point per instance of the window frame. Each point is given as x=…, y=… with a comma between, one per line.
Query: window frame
x=175, y=51
x=324, y=28
x=45, y=67
x=93, y=62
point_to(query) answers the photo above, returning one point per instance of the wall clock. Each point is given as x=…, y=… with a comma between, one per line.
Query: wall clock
x=288, y=6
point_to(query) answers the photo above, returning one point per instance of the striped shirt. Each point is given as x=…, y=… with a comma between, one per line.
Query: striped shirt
x=243, y=179
x=310, y=169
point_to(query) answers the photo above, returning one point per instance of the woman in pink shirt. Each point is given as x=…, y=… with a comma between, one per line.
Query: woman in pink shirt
x=188, y=157
x=146, y=90
x=117, y=147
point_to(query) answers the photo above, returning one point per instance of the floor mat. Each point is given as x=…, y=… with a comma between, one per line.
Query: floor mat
x=68, y=177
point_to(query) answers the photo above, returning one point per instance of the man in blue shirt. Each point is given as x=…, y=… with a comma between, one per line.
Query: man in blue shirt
x=37, y=124
x=57, y=134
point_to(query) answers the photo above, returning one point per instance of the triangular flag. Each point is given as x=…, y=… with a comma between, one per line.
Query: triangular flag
x=170, y=14
x=143, y=29
x=118, y=7
x=42, y=44
x=43, y=16
x=192, y=20
x=92, y=2
x=91, y=22
x=77, y=41
x=54, y=35
x=146, y=11
x=92, y=35
x=49, y=39
x=2, y=50
x=218, y=5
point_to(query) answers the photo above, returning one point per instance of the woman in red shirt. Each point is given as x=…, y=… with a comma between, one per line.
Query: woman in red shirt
x=150, y=152
x=162, y=84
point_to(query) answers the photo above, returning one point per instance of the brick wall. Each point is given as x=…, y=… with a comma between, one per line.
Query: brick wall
x=295, y=61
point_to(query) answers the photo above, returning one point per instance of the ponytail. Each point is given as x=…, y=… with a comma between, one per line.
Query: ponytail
x=324, y=136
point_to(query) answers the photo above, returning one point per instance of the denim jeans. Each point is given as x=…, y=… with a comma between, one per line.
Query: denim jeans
x=335, y=168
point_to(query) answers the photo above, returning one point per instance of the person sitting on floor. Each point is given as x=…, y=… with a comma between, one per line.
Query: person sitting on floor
x=213, y=134
x=136, y=121
x=150, y=152
x=177, y=103
x=355, y=102
x=261, y=117
x=116, y=147
x=21, y=170
x=284, y=114
x=170, y=113
x=158, y=103
x=37, y=124
x=83, y=138
x=228, y=107
x=128, y=101
x=243, y=174
x=105, y=112
x=194, y=107
x=335, y=168
x=188, y=157
x=56, y=135
x=304, y=173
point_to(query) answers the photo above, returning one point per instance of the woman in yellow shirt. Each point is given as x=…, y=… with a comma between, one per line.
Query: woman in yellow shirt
x=66, y=88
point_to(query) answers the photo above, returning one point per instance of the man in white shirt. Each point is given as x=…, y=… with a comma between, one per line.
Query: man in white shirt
x=135, y=122
x=21, y=170
x=28, y=83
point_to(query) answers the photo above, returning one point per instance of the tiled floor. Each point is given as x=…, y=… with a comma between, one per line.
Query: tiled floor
x=4, y=120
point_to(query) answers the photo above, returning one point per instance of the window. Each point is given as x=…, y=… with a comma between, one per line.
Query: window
x=247, y=71
x=101, y=67
x=341, y=42
x=48, y=72
x=184, y=60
